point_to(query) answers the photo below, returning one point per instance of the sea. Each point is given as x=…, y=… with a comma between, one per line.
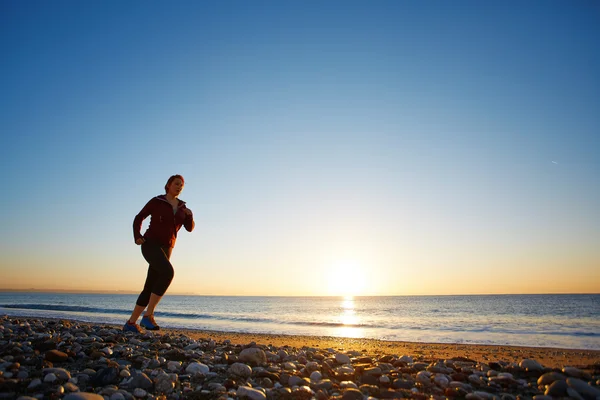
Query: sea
x=553, y=320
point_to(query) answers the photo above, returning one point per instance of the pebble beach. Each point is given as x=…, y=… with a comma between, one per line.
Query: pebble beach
x=66, y=359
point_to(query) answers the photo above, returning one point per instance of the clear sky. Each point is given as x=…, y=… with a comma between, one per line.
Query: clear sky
x=329, y=148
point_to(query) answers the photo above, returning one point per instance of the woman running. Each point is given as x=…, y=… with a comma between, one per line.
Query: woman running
x=168, y=214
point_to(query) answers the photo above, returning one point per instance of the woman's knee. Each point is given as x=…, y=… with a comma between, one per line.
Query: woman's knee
x=169, y=273
x=144, y=297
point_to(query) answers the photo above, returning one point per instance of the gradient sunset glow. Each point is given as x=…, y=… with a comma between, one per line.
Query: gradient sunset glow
x=346, y=148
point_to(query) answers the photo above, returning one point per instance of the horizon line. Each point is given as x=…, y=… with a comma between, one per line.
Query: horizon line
x=79, y=291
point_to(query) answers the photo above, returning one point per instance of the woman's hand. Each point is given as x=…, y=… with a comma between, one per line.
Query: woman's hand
x=189, y=220
x=140, y=241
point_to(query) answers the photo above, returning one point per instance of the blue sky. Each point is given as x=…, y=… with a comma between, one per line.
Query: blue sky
x=342, y=147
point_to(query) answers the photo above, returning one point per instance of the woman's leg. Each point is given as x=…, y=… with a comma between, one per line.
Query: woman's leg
x=145, y=296
x=158, y=258
x=154, y=300
x=137, y=311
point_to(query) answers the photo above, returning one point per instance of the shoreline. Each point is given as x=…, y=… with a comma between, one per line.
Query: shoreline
x=549, y=356
x=65, y=358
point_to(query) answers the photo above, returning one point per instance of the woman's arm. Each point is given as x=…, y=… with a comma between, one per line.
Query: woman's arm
x=188, y=222
x=137, y=221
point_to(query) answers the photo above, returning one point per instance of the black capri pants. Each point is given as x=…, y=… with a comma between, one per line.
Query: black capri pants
x=160, y=271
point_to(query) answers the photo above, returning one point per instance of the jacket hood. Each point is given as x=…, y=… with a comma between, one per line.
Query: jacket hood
x=163, y=197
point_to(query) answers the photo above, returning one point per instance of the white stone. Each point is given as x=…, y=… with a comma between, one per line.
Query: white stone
x=384, y=379
x=197, y=368
x=50, y=378
x=124, y=373
x=107, y=350
x=139, y=392
x=253, y=394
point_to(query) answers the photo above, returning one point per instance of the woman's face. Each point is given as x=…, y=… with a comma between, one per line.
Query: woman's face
x=175, y=187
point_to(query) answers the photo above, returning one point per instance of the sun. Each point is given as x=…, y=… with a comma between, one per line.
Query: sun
x=346, y=278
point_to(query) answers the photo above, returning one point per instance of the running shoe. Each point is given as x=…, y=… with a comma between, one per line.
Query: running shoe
x=131, y=328
x=149, y=323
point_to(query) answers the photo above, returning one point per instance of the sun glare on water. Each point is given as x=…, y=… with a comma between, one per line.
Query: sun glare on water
x=346, y=278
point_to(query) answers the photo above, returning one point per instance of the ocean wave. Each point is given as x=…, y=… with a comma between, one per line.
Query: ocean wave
x=58, y=307
x=179, y=315
x=317, y=324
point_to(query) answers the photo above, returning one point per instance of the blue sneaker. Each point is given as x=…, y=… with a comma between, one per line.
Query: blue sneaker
x=149, y=323
x=131, y=328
